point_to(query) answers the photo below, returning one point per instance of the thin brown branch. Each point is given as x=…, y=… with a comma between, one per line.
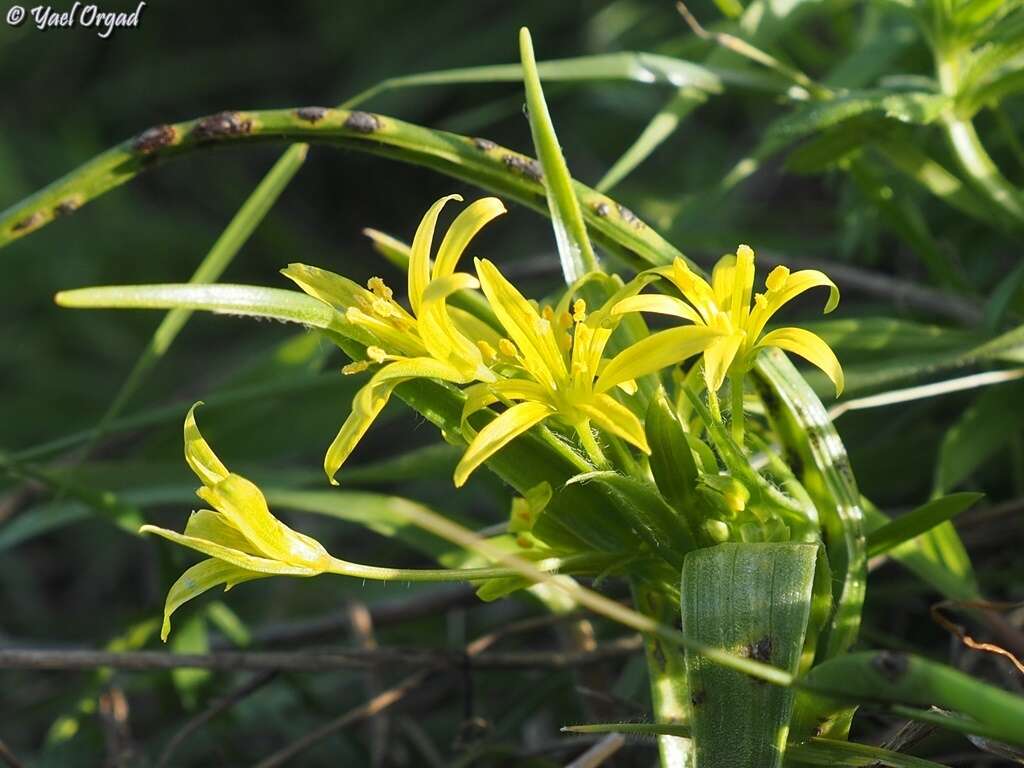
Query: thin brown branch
x=216, y=708
x=600, y=752
x=361, y=624
x=8, y=757
x=961, y=633
x=306, y=660
x=372, y=707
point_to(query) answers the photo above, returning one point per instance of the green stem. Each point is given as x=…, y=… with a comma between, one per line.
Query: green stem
x=736, y=393
x=591, y=446
x=713, y=406
x=577, y=564
x=970, y=153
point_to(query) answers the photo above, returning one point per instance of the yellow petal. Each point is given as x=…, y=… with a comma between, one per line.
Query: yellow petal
x=810, y=347
x=719, y=357
x=372, y=398
x=694, y=288
x=480, y=396
x=532, y=334
x=419, y=256
x=196, y=580
x=499, y=433
x=743, y=285
x=723, y=281
x=245, y=508
x=199, y=454
x=440, y=336
x=213, y=526
x=784, y=287
x=657, y=351
x=660, y=303
x=615, y=418
x=463, y=229
x=233, y=556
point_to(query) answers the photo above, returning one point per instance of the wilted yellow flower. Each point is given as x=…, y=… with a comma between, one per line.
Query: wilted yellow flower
x=557, y=370
x=725, y=304
x=433, y=341
x=243, y=539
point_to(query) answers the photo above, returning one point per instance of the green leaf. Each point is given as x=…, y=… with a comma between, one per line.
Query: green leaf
x=753, y=600
x=243, y=300
x=814, y=751
x=665, y=531
x=884, y=677
x=983, y=428
x=672, y=461
x=923, y=519
x=574, y=249
x=937, y=557
x=919, y=108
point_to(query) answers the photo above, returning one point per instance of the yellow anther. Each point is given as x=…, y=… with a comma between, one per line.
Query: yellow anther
x=579, y=310
x=379, y=289
x=357, y=367
x=382, y=308
x=488, y=352
x=507, y=348
x=376, y=354
x=524, y=541
x=565, y=320
x=547, y=313
x=777, y=278
x=760, y=301
x=745, y=252
x=565, y=342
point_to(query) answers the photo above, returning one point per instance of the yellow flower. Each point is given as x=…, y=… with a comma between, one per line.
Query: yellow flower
x=243, y=539
x=432, y=341
x=725, y=304
x=557, y=370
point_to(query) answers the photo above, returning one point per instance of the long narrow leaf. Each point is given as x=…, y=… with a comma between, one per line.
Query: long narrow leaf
x=574, y=249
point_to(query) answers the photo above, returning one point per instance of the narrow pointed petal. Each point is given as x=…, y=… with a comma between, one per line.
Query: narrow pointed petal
x=198, y=579
x=440, y=336
x=419, y=256
x=657, y=351
x=743, y=285
x=719, y=357
x=480, y=396
x=783, y=287
x=659, y=303
x=499, y=433
x=233, y=556
x=465, y=227
x=615, y=418
x=530, y=332
x=213, y=526
x=199, y=454
x=809, y=346
x=371, y=399
x=723, y=280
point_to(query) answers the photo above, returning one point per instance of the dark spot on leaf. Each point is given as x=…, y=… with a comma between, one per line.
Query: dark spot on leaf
x=890, y=665
x=628, y=216
x=67, y=206
x=310, y=114
x=484, y=145
x=220, y=126
x=602, y=210
x=761, y=650
x=528, y=167
x=697, y=698
x=154, y=138
x=362, y=122
x=29, y=222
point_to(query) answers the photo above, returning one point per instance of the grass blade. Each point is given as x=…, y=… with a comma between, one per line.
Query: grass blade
x=574, y=249
x=244, y=300
x=921, y=520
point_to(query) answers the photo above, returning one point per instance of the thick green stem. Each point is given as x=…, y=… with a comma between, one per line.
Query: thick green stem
x=736, y=393
x=666, y=668
x=713, y=406
x=577, y=564
x=970, y=153
x=591, y=446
